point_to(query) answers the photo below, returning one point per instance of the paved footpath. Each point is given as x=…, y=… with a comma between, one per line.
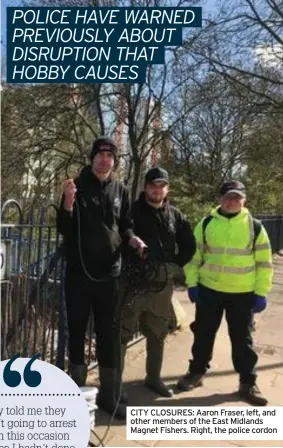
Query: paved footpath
x=221, y=383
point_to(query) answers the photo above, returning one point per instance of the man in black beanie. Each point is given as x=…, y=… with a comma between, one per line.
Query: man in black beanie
x=94, y=220
x=102, y=144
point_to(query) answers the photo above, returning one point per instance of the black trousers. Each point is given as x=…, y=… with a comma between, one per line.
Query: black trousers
x=239, y=317
x=81, y=295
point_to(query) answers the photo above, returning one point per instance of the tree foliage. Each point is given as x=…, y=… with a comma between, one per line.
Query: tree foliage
x=212, y=112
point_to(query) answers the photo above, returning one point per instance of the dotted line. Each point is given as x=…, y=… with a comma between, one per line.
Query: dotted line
x=40, y=395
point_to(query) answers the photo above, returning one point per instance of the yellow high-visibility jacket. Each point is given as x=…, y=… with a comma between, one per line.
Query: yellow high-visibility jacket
x=228, y=262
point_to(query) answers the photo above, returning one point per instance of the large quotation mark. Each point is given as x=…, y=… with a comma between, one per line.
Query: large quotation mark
x=12, y=378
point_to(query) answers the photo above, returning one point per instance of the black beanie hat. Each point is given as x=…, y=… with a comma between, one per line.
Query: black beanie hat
x=104, y=144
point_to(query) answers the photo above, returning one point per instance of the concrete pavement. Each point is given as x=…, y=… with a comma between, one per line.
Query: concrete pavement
x=221, y=383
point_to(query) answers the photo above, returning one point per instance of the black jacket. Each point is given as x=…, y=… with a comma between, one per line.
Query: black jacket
x=165, y=230
x=100, y=222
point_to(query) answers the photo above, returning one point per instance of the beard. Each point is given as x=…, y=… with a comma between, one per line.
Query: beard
x=154, y=199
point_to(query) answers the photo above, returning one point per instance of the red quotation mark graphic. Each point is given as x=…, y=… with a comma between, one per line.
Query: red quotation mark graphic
x=12, y=378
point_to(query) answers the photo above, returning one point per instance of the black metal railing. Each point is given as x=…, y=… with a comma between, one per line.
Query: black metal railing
x=32, y=312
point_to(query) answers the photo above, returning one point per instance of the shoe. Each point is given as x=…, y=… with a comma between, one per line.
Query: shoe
x=106, y=404
x=78, y=373
x=107, y=397
x=159, y=387
x=252, y=394
x=190, y=381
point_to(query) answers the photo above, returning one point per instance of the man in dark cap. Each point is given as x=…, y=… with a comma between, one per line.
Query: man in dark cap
x=94, y=220
x=231, y=272
x=171, y=244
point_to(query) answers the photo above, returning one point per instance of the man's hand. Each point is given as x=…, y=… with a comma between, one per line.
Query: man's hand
x=69, y=189
x=260, y=303
x=136, y=243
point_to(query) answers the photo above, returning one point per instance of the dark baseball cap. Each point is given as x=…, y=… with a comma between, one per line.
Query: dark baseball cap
x=233, y=186
x=156, y=174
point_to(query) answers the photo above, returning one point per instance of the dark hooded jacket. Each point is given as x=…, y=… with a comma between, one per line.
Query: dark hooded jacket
x=100, y=222
x=165, y=231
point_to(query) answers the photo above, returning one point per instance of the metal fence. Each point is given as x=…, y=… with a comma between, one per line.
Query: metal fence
x=274, y=228
x=33, y=315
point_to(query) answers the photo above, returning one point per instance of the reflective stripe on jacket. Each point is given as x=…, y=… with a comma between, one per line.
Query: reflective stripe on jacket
x=228, y=262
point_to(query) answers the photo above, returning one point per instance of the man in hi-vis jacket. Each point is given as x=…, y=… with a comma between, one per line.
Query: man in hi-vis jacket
x=232, y=272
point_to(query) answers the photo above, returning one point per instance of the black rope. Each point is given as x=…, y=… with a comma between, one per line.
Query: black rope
x=142, y=275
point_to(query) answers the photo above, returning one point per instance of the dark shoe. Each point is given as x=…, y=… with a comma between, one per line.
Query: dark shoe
x=252, y=394
x=107, y=404
x=190, y=381
x=159, y=387
x=107, y=397
x=78, y=373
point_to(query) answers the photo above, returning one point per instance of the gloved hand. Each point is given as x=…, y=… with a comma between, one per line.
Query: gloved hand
x=193, y=294
x=260, y=303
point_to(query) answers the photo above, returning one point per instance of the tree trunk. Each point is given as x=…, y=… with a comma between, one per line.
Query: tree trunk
x=136, y=179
